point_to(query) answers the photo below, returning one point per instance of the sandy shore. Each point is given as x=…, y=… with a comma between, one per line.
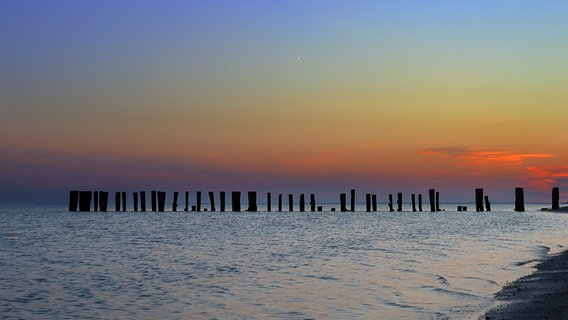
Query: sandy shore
x=541, y=295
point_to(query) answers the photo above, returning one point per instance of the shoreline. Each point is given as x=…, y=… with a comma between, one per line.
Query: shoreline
x=540, y=295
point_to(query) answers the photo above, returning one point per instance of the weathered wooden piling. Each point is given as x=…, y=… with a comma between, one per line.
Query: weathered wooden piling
x=186, y=208
x=302, y=203
x=161, y=201
x=73, y=200
x=438, y=201
x=117, y=201
x=290, y=202
x=268, y=202
x=399, y=201
x=368, y=202
x=555, y=198
x=103, y=201
x=85, y=200
x=142, y=201
x=236, y=201
x=212, y=200
x=280, y=202
x=198, y=201
x=487, y=204
x=519, y=199
x=374, y=199
x=135, y=200
x=420, y=202
x=391, y=207
x=252, y=201
x=312, y=202
x=478, y=199
x=154, y=200
x=320, y=208
x=175, y=202
x=123, y=200
x=413, y=202
x=432, y=194
x=96, y=201
x=352, y=200
x=343, y=202
x=460, y=208
x=222, y=200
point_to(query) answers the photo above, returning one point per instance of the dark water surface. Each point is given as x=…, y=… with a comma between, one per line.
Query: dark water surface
x=60, y=265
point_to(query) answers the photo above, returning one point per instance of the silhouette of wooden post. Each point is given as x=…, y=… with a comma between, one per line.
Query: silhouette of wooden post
x=96, y=201
x=420, y=202
x=555, y=198
x=198, y=201
x=268, y=202
x=153, y=201
x=85, y=200
x=290, y=202
x=135, y=200
x=175, y=202
x=123, y=201
x=279, y=202
x=236, y=201
x=142, y=201
x=103, y=201
x=252, y=201
x=519, y=199
x=391, y=208
x=438, y=201
x=343, y=202
x=186, y=208
x=399, y=201
x=479, y=199
x=161, y=201
x=432, y=194
x=212, y=200
x=352, y=200
x=460, y=208
x=487, y=204
x=117, y=201
x=413, y=202
x=73, y=200
x=302, y=203
x=222, y=200
x=368, y=202
x=374, y=198
x=312, y=202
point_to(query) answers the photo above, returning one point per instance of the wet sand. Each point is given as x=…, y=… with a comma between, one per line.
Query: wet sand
x=541, y=295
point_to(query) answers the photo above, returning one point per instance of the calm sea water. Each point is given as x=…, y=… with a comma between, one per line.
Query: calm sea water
x=327, y=265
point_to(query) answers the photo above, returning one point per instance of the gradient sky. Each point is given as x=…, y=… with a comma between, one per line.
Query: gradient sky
x=387, y=96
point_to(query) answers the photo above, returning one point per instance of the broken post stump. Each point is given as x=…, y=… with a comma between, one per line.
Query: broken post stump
x=312, y=202
x=399, y=201
x=236, y=201
x=198, y=201
x=374, y=199
x=154, y=200
x=117, y=201
x=175, y=202
x=391, y=208
x=302, y=203
x=420, y=202
x=487, y=204
x=479, y=199
x=222, y=200
x=368, y=202
x=135, y=200
x=142, y=201
x=280, y=202
x=432, y=194
x=73, y=200
x=343, y=202
x=519, y=199
x=103, y=201
x=290, y=202
x=438, y=201
x=85, y=200
x=212, y=200
x=123, y=200
x=252, y=201
x=352, y=200
x=161, y=201
x=555, y=198
x=268, y=202
x=96, y=201
x=413, y=202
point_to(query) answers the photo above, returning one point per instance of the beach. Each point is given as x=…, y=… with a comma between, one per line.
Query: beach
x=540, y=295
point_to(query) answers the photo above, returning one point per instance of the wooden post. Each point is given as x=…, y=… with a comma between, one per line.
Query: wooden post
x=96, y=201
x=459, y=208
x=432, y=194
x=198, y=201
x=343, y=202
x=135, y=200
x=519, y=199
x=85, y=200
x=352, y=200
x=73, y=200
x=186, y=208
x=123, y=200
x=374, y=198
x=413, y=202
x=399, y=201
x=236, y=201
x=279, y=202
x=487, y=204
x=312, y=202
x=320, y=208
x=252, y=201
x=268, y=202
x=117, y=201
x=161, y=201
x=479, y=199
x=290, y=202
x=368, y=202
x=103, y=201
x=142, y=201
x=438, y=201
x=175, y=202
x=302, y=203
x=391, y=208
x=222, y=200
x=555, y=198
x=420, y=202
x=154, y=200
x=212, y=200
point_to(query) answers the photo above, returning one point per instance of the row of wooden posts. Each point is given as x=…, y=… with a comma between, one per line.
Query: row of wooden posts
x=82, y=201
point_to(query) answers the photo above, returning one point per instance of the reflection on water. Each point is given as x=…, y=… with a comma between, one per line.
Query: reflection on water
x=55, y=264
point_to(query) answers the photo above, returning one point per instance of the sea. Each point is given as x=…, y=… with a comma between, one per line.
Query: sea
x=56, y=264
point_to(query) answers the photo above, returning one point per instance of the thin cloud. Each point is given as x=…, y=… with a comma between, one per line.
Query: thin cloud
x=485, y=157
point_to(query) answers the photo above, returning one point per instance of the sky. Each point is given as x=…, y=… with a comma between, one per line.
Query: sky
x=283, y=96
